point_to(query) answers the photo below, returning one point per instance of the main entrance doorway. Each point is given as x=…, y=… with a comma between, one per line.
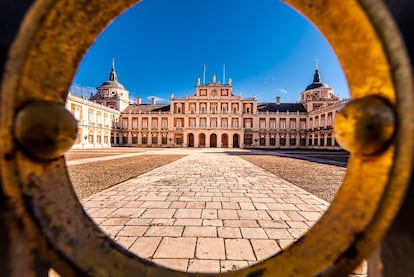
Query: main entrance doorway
x=213, y=140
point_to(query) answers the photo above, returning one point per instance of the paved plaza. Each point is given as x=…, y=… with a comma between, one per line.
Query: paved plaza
x=210, y=211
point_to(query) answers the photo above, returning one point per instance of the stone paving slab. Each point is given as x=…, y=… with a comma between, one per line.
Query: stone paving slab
x=207, y=212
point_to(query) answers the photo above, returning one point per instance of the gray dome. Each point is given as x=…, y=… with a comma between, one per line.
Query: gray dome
x=112, y=84
x=317, y=85
x=317, y=82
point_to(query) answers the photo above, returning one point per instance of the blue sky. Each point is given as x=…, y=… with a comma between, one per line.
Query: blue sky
x=160, y=47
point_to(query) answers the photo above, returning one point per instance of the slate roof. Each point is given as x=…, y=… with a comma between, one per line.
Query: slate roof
x=282, y=107
x=145, y=108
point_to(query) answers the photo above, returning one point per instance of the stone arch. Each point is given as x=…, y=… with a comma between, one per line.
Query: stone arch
x=213, y=140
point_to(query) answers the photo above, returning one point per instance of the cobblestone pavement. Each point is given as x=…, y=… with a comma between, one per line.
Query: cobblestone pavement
x=210, y=211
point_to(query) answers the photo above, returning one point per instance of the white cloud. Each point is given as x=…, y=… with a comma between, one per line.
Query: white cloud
x=158, y=99
x=82, y=91
x=281, y=91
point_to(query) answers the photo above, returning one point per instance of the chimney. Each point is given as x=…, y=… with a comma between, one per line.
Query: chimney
x=153, y=101
x=277, y=98
x=139, y=100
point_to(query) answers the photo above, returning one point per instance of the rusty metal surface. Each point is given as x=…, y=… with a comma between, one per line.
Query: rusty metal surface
x=46, y=223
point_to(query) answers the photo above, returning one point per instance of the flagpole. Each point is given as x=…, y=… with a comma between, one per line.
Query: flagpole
x=224, y=74
x=204, y=74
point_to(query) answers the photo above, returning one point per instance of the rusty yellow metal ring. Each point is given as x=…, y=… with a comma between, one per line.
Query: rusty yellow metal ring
x=51, y=42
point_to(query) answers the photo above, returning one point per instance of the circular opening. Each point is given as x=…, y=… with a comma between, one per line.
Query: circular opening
x=183, y=215
x=63, y=222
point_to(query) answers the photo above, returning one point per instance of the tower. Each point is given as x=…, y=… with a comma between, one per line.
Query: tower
x=112, y=93
x=317, y=94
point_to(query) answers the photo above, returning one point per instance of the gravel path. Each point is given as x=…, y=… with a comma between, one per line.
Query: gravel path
x=319, y=179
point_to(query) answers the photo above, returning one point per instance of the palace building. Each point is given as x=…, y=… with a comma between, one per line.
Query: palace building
x=212, y=117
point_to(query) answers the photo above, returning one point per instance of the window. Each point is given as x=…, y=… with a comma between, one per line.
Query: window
x=125, y=123
x=213, y=122
x=247, y=140
x=90, y=138
x=134, y=140
x=164, y=140
x=144, y=140
x=292, y=141
x=77, y=113
x=234, y=110
x=90, y=117
x=99, y=138
x=272, y=141
x=247, y=124
x=135, y=123
x=262, y=141
x=179, y=110
x=98, y=118
x=179, y=140
x=192, y=110
x=303, y=124
x=124, y=140
x=154, y=124
x=154, y=140
x=192, y=123
x=329, y=122
x=283, y=124
x=329, y=141
x=224, y=110
x=213, y=109
x=282, y=141
x=203, y=110
x=262, y=124
x=302, y=142
x=235, y=123
x=247, y=110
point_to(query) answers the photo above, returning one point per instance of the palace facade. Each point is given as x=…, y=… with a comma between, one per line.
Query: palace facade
x=212, y=117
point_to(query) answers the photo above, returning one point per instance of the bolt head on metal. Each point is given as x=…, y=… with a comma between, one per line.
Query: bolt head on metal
x=365, y=126
x=45, y=130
